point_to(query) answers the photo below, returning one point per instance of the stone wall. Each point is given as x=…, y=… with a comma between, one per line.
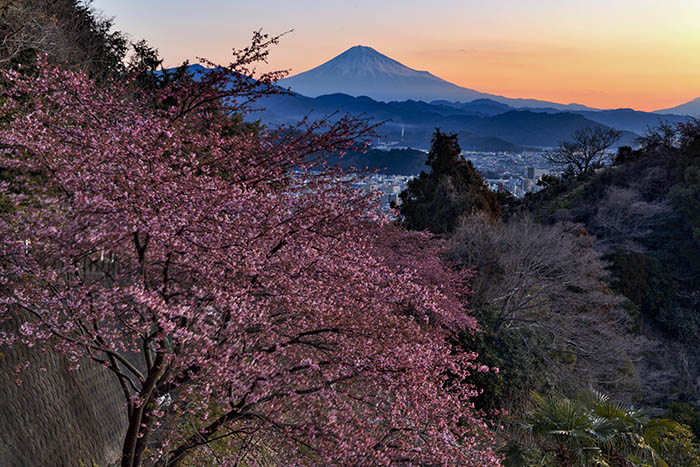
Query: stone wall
x=58, y=417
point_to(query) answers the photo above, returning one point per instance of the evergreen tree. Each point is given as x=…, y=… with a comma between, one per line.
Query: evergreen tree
x=453, y=188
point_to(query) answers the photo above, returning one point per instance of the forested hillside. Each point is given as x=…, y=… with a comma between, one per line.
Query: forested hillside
x=588, y=285
x=643, y=211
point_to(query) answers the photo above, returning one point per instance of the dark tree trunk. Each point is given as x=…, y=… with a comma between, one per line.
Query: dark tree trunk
x=134, y=442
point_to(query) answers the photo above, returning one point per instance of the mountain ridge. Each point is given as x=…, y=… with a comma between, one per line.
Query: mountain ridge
x=690, y=109
x=411, y=123
x=484, y=124
x=362, y=70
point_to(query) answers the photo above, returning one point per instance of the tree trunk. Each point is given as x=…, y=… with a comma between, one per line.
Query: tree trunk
x=133, y=448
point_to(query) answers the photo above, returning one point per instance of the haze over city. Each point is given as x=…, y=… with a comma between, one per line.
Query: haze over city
x=642, y=54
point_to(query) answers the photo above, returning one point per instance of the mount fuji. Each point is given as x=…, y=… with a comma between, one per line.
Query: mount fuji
x=691, y=108
x=362, y=71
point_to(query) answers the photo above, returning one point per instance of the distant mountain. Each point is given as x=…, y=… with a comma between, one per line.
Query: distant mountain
x=530, y=128
x=691, y=108
x=362, y=71
x=411, y=123
x=630, y=120
x=408, y=123
x=482, y=124
x=623, y=119
x=487, y=107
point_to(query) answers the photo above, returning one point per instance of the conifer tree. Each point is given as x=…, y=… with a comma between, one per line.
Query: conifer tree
x=453, y=188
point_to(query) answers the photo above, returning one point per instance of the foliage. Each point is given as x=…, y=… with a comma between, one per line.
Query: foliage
x=644, y=211
x=548, y=180
x=436, y=201
x=685, y=414
x=661, y=138
x=644, y=281
x=592, y=429
x=674, y=442
x=623, y=216
x=520, y=370
x=651, y=285
x=661, y=215
x=509, y=203
x=625, y=154
x=74, y=35
x=248, y=292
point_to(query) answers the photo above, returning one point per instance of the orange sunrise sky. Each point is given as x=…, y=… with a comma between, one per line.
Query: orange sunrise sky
x=643, y=54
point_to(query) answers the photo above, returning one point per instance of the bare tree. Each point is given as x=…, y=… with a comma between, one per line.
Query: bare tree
x=543, y=285
x=586, y=149
x=664, y=136
x=624, y=217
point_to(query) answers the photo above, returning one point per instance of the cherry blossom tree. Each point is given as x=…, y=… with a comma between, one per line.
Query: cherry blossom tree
x=250, y=303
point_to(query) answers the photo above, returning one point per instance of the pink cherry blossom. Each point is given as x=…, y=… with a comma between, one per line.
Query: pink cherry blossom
x=232, y=275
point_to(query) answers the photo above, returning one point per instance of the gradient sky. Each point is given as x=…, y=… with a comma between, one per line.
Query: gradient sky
x=643, y=54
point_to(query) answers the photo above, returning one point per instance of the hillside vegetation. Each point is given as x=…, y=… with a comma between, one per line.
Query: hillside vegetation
x=591, y=283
